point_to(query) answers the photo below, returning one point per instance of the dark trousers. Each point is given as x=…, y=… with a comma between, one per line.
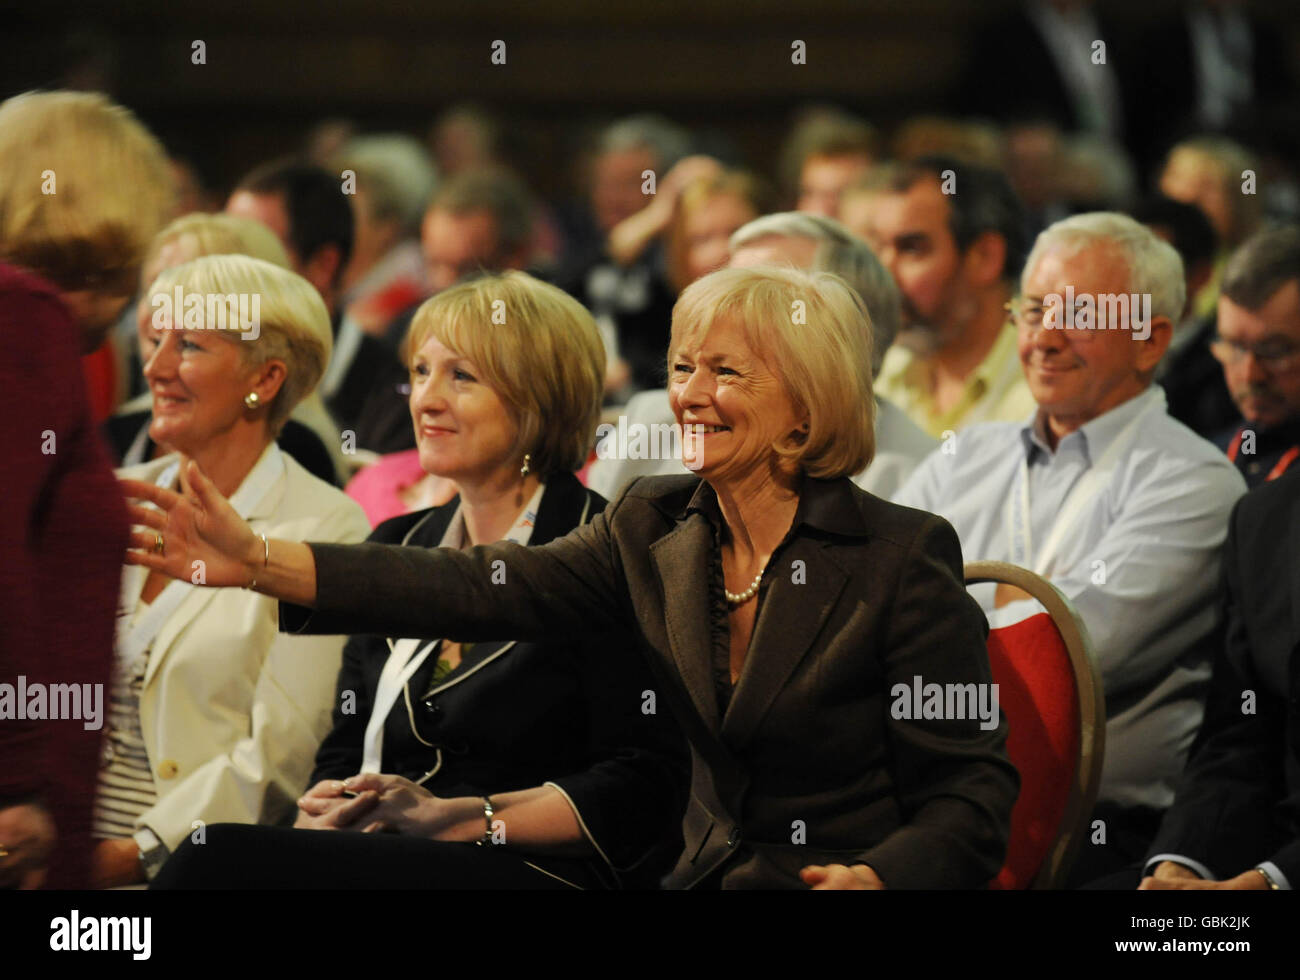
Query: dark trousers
x=1129, y=832
x=255, y=857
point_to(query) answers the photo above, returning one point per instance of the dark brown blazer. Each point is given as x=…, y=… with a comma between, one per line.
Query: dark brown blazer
x=807, y=765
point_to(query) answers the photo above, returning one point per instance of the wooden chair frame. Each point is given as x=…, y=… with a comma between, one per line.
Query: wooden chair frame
x=1075, y=821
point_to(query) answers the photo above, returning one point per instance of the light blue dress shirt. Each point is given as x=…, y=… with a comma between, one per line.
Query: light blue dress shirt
x=1139, y=560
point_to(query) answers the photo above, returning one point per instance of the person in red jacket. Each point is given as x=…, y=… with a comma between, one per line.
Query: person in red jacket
x=83, y=188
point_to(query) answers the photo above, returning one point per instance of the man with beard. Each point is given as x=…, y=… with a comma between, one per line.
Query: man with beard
x=953, y=235
x=1102, y=492
x=1258, y=344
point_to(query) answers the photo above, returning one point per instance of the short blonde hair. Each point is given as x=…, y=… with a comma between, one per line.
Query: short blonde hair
x=814, y=332
x=112, y=190
x=538, y=349
x=293, y=324
x=200, y=234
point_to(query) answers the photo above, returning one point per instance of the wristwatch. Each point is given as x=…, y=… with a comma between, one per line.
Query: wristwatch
x=153, y=852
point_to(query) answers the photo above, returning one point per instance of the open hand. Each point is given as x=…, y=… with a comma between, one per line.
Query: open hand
x=195, y=535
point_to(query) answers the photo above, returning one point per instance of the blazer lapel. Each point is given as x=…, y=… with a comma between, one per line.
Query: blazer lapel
x=681, y=561
x=191, y=606
x=781, y=640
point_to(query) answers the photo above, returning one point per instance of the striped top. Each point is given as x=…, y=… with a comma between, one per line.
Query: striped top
x=126, y=785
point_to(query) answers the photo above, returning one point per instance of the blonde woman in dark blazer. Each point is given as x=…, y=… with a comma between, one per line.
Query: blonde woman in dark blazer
x=780, y=608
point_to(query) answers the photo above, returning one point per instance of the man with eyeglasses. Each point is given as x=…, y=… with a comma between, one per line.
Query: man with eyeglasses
x=1258, y=344
x=1123, y=508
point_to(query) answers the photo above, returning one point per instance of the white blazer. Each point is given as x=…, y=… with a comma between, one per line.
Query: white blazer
x=232, y=710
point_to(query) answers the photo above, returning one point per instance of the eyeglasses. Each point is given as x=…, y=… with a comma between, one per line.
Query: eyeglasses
x=1029, y=314
x=1270, y=355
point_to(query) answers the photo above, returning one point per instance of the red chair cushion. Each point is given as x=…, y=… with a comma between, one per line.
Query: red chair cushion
x=1036, y=689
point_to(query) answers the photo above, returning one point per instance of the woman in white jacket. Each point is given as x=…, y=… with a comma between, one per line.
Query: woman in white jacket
x=214, y=715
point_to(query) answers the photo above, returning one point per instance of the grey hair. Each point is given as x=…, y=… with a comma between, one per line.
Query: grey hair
x=845, y=254
x=1154, y=266
x=667, y=141
x=397, y=174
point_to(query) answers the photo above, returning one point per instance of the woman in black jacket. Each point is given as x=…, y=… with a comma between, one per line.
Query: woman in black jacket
x=551, y=754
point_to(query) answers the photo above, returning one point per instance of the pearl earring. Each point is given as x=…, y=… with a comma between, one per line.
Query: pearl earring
x=524, y=470
x=251, y=400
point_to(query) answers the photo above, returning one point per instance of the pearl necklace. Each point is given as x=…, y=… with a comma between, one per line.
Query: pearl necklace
x=737, y=599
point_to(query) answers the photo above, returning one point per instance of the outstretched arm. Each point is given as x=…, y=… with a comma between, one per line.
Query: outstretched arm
x=196, y=536
x=572, y=585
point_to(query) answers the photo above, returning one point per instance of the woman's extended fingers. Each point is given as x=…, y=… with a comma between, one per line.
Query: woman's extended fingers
x=147, y=516
x=140, y=490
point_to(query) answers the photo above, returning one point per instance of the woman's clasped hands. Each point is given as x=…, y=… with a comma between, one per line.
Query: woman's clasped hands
x=381, y=804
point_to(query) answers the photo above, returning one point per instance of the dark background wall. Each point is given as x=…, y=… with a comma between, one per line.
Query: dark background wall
x=274, y=69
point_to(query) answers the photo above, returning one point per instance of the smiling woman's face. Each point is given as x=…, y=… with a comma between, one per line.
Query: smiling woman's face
x=198, y=380
x=731, y=406
x=463, y=428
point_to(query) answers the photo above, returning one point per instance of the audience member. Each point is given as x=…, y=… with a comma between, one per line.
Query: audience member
x=622, y=280
x=214, y=715
x=1233, y=823
x=69, y=262
x=1189, y=373
x=183, y=240
x=953, y=235
x=1258, y=344
x=1120, y=506
x=308, y=210
x=801, y=241
x=826, y=153
x=708, y=212
x=548, y=737
x=385, y=272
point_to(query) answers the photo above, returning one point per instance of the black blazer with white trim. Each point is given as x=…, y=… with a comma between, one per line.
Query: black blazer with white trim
x=518, y=714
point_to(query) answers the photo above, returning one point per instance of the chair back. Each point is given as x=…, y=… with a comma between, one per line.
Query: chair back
x=1056, y=715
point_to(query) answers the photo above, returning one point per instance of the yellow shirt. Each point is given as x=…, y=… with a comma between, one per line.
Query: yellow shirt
x=996, y=391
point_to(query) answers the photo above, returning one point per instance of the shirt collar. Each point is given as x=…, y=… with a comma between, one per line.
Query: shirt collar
x=826, y=505
x=1094, y=436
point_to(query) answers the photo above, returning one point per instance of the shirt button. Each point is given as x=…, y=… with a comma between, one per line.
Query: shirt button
x=733, y=838
x=167, y=769
x=432, y=708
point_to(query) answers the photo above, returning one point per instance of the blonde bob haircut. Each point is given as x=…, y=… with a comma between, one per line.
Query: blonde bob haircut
x=83, y=189
x=293, y=325
x=537, y=347
x=814, y=333
x=194, y=235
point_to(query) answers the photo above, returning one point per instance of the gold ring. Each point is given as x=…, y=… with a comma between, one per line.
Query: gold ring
x=4, y=852
x=158, y=545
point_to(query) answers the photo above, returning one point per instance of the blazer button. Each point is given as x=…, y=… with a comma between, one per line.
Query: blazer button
x=167, y=769
x=733, y=838
x=432, y=708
